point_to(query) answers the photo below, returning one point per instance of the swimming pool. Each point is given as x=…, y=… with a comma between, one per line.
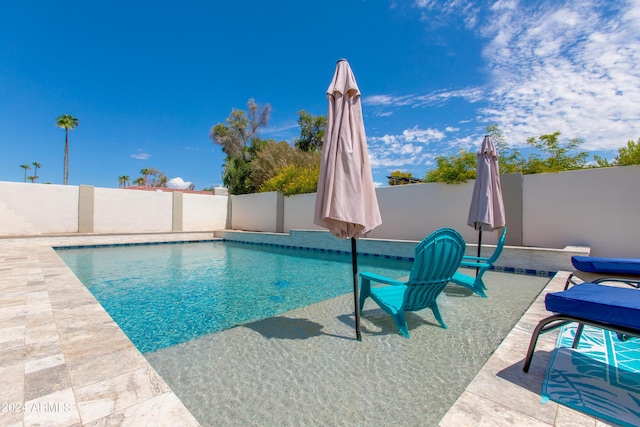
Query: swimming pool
x=163, y=295
x=304, y=367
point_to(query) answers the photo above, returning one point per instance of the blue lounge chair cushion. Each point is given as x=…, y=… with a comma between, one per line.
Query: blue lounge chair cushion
x=606, y=304
x=591, y=264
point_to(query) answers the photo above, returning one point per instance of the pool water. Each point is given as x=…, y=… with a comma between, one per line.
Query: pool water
x=163, y=295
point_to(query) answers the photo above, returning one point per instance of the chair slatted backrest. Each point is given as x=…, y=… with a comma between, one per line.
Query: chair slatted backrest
x=436, y=260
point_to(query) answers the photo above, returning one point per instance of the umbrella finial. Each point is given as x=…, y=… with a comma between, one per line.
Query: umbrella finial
x=341, y=59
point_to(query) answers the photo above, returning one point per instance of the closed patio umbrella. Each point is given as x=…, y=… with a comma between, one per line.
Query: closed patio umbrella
x=346, y=202
x=486, y=212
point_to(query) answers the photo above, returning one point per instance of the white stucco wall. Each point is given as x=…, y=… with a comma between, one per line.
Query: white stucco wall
x=411, y=212
x=298, y=212
x=255, y=212
x=129, y=211
x=27, y=208
x=595, y=207
x=203, y=212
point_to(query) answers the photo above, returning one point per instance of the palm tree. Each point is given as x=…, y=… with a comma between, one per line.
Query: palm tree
x=145, y=173
x=26, y=168
x=139, y=181
x=124, y=181
x=36, y=165
x=66, y=122
x=32, y=178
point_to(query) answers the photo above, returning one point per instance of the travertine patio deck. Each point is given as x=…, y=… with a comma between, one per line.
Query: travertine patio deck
x=64, y=362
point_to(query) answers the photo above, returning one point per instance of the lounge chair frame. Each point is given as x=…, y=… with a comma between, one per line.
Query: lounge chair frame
x=558, y=320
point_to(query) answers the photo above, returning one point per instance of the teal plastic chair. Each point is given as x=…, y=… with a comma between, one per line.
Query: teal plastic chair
x=482, y=264
x=436, y=260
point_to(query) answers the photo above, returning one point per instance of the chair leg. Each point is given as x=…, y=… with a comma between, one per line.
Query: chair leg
x=401, y=323
x=545, y=325
x=365, y=291
x=436, y=313
x=576, y=338
x=478, y=289
x=479, y=283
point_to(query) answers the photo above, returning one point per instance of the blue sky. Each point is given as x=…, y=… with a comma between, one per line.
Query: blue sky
x=147, y=80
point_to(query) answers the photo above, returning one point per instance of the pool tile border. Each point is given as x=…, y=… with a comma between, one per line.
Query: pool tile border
x=524, y=271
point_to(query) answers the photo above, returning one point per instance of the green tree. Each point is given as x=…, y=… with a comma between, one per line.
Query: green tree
x=145, y=174
x=240, y=141
x=627, y=156
x=26, y=168
x=454, y=169
x=32, y=178
x=559, y=156
x=36, y=165
x=276, y=155
x=312, y=130
x=293, y=179
x=66, y=122
x=509, y=159
x=401, y=178
x=122, y=180
x=139, y=181
x=240, y=128
x=159, y=179
x=236, y=175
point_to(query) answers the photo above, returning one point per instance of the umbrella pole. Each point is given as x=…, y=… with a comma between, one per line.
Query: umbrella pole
x=479, y=248
x=356, y=298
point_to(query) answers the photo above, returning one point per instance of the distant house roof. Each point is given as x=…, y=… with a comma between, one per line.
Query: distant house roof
x=167, y=189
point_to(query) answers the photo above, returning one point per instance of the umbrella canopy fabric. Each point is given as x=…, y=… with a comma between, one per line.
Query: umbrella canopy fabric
x=346, y=202
x=486, y=212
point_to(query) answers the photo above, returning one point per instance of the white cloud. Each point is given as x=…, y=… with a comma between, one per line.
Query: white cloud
x=437, y=12
x=140, y=155
x=439, y=97
x=422, y=135
x=406, y=149
x=552, y=66
x=567, y=66
x=179, y=183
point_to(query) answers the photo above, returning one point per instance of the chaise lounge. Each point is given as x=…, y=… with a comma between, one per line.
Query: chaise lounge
x=600, y=269
x=607, y=307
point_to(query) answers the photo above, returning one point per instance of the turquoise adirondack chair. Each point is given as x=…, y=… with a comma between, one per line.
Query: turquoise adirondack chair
x=482, y=264
x=436, y=260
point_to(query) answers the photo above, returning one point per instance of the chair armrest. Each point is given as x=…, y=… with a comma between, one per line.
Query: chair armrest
x=474, y=264
x=380, y=279
x=475, y=258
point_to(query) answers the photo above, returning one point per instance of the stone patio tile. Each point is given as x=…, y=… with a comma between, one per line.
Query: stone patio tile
x=116, y=394
x=46, y=381
x=165, y=409
x=479, y=412
x=57, y=409
x=99, y=367
x=568, y=417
